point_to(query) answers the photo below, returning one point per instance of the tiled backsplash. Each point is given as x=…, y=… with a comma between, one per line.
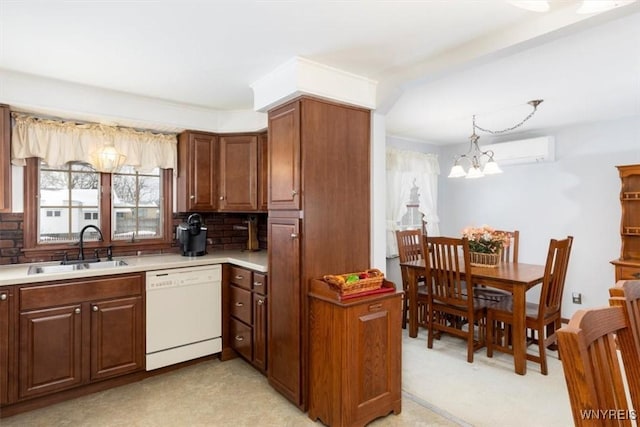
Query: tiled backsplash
x=223, y=233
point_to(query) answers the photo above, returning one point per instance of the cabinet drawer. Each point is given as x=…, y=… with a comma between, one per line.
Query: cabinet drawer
x=241, y=277
x=240, y=304
x=260, y=283
x=627, y=273
x=241, y=339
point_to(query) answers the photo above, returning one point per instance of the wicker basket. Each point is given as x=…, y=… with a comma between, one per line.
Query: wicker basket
x=479, y=259
x=339, y=282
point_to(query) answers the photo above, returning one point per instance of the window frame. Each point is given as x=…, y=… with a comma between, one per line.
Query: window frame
x=33, y=249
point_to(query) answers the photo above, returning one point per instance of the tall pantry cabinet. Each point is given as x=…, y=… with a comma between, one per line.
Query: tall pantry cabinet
x=319, y=221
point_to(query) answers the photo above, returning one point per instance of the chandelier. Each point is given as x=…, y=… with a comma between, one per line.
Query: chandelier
x=480, y=162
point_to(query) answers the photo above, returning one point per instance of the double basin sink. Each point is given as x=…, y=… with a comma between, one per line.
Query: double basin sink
x=62, y=268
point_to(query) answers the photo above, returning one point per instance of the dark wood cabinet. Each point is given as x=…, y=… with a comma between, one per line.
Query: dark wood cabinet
x=239, y=173
x=354, y=356
x=197, y=181
x=246, y=300
x=116, y=337
x=319, y=221
x=6, y=326
x=284, y=157
x=628, y=265
x=79, y=332
x=263, y=169
x=5, y=159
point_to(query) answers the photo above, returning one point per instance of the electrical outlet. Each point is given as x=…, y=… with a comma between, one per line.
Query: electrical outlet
x=577, y=297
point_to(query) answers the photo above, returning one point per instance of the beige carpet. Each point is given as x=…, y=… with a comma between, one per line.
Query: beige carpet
x=486, y=392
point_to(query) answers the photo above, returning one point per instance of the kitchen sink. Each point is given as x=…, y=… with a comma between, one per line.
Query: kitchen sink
x=62, y=268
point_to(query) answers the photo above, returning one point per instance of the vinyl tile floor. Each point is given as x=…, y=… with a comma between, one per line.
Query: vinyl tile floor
x=210, y=393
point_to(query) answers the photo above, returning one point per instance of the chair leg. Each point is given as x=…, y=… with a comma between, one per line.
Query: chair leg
x=542, y=349
x=405, y=310
x=490, y=336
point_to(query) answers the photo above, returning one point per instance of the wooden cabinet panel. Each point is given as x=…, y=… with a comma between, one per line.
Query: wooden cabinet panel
x=5, y=333
x=260, y=332
x=50, y=350
x=240, y=277
x=117, y=337
x=629, y=262
x=354, y=358
x=260, y=283
x=284, y=320
x=197, y=178
x=284, y=157
x=263, y=172
x=241, y=338
x=238, y=189
x=5, y=159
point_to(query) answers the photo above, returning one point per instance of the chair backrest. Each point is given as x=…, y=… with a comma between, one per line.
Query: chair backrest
x=510, y=253
x=591, y=368
x=626, y=294
x=448, y=269
x=409, y=245
x=555, y=273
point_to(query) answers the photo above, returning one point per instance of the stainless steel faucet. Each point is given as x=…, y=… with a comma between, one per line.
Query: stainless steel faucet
x=81, y=253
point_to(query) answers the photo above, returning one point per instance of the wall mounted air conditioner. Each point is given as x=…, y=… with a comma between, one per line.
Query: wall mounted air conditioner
x=532, y=150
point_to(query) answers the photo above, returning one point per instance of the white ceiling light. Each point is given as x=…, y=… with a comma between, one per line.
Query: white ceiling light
x=482, y=163
x=532, y=5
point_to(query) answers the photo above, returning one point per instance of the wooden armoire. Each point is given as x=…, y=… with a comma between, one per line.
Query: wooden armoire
x=319, y=221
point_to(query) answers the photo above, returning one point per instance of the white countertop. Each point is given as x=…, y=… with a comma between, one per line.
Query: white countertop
x=16, y=274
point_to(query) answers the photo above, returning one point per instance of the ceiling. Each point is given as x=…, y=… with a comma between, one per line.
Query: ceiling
x=437, y=62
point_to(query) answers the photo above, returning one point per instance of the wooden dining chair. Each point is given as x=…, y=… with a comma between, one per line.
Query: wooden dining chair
x=543, y=318
x=509, y=254
x=592, y=372
x=410, y=249
x=448, y=271
x=626, y=294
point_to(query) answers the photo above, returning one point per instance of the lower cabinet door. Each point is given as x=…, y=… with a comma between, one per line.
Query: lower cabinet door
x=50, y=350
x=117, y=337
x=241, y=338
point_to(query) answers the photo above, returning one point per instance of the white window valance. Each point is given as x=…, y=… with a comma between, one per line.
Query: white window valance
x=58, y=142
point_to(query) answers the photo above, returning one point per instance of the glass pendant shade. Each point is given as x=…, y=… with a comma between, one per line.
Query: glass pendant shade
x=474, y=172
x=457, y=171
x=108, y=159
x=532, y=5
x=491, y=168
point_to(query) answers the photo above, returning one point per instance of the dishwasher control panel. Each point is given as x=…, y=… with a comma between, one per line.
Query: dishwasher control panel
x=186, y=276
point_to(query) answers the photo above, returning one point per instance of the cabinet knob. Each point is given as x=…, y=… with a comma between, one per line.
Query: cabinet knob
x=94, y=308
x=221, y=197
x=239, y=277
x=192, y=197
x=77, y=310
x=293, y=193
x=257, y=283
x=3, y=297
x=239, y=304
x=294, y=235
x=239, y=338
x=260, y=301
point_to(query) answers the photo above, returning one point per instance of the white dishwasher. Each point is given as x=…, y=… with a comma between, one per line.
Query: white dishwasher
x=184, y=314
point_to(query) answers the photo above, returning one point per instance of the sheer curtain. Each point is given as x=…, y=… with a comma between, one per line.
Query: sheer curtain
x=58, y=142
x=404, y=168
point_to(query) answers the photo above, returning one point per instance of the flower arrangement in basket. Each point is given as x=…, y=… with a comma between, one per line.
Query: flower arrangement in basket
x=485, y=245
x=352, y=283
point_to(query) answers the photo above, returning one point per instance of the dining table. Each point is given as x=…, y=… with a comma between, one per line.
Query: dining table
x=514, y=277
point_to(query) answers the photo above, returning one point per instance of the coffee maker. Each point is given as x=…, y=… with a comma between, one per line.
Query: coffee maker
x=192, y=236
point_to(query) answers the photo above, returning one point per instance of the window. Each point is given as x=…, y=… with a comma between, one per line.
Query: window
x=124, y=205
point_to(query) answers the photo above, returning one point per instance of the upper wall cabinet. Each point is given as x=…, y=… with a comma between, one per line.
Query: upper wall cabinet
x=197, y=177
x=5, y=159
x=284, y=157
x=238, y=183
x=263, y=169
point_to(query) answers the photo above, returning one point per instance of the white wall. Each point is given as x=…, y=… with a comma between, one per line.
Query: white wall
x=576, y=195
